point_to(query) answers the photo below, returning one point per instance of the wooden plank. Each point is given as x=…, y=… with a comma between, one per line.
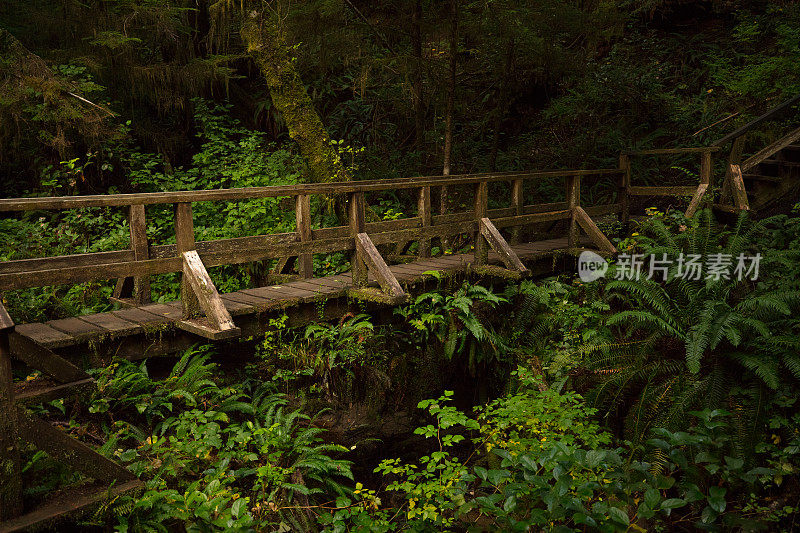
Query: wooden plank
x=673, y=151
x=592, y=230
x=303, y=216
x=184, y=241
x=76, y=328
x=738, y=189
x=377, y=265
x=500, y=246
x=62, y=261
x=42, y=358
x=45, y=335
x=249, y=193
x=112, y=324
x=235, y=307
x=232, y=246
x=696, y=199
x=335, y=282
x=425, y=214
x=168, y=311
x=75, y=501
x=257, y=303
x=142, y=317
x=63, y=448
x=316, y=286
x=30, y=393
x=676, y=190
x=766, y=152
x=284, y=295
x=10, y=470
x=533, y=218
x=600, y=210
x=356, y=214
x=758, y=121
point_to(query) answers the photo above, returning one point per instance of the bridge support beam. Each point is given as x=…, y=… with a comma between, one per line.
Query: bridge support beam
x=368, y=255
x=10, y=471
x=218, y=323
x=598, y=238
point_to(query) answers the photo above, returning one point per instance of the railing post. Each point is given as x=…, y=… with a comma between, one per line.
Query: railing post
x=305, y=262
x=141, y=251
x=573, y=196
x=184, y=239
x=481, y=207
x=518, y=203
x=357, y=216
x=424, y=211
x=443, y=209
x=706, y=176
x=10, y=477
x=623, y=195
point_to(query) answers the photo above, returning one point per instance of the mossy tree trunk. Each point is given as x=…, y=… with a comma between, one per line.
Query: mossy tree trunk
x=271, y=54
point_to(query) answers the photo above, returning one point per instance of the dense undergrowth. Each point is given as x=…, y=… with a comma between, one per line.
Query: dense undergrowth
x=557, y=405
x=616, y=405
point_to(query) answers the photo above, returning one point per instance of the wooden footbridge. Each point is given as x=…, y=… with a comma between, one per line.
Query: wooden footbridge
x=503, y=246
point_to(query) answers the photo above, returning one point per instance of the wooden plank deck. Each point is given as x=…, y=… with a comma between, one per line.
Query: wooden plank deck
x=157, y=316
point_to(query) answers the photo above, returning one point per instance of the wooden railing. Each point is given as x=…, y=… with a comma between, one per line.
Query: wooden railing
x=733, y=195
x=697, y=192
x=360, y=237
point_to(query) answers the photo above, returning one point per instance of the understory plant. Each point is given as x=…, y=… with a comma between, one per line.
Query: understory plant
x=212, y=457
x=686, y=343
x=536, y=460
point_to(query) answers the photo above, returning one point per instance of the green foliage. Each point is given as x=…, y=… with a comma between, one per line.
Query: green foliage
x=458, y=321
x=212, y=457
x=548, y=466
x=687, y=341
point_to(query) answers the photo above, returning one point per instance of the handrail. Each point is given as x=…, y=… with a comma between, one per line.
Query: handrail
x=248, y=193
x=142, y=259
x=673, y=151
x=757, y=121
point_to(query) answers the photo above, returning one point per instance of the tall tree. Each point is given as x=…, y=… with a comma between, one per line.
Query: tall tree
x=451, y=97
x=416, y=51
x=266, y=45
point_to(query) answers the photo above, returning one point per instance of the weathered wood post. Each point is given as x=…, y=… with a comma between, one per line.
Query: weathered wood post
x=734, y=158
x=518, y=203
x=357, y=216
x=184, y=239
x=424, y=211
x=481, y=208
x=573, y=196
x=624, y=189
x=305, y=262
x=138, y=287
x=141, y=251
x=705, y=169
x=10, y=478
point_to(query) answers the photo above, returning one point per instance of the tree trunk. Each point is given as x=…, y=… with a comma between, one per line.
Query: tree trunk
x=502, y=104
x=451, y=95
x=416, y=49
x=271, y=54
